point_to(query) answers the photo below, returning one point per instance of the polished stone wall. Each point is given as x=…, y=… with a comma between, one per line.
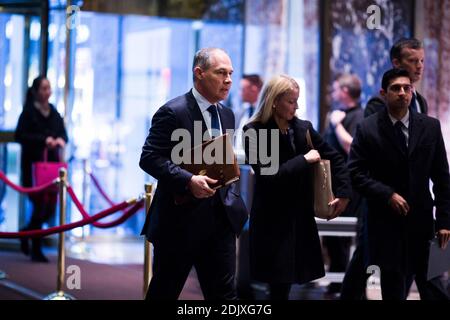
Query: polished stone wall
x=358, y=49
x=436, y=83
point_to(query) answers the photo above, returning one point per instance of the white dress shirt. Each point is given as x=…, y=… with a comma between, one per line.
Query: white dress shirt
x=204, y=105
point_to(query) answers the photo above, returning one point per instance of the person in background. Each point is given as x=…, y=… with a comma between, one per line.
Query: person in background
x=407, y=54
x=339, y=134
x=284, y=241
x=40, y=129
x=251, y=85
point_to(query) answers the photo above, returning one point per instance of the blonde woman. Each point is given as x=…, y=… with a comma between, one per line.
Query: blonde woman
x=284, y=242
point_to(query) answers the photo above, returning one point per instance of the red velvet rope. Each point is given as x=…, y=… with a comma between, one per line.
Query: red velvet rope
x=127, y=213
x=100, y=189
x=69, y=226
x=23, y=189
x=103, y=225
x=87, y=219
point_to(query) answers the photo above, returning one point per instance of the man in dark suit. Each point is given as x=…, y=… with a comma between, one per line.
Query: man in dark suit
x=407, y=54
x=251, y=85
x=342, y=121
x=202, y=230
x=394, y=155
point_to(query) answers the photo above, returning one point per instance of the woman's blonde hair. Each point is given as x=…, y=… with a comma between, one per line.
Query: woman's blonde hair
x=273, y=90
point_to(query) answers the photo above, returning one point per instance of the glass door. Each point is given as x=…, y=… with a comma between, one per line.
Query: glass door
x=20, y=61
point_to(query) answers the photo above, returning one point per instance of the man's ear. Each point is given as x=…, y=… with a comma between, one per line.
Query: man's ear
x=345, y=89
x=198, y=72
x=383, y=93
x=396, y=63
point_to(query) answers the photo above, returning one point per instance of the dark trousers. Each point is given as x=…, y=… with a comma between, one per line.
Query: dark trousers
x=355, y=279
x=243, y=279
x=44, y=207
x=279, y=291
x=213, y=256
x=395, y=286
x=338, y=249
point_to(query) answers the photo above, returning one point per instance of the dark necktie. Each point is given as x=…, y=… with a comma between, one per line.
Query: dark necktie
x=251, y=110
x=215, y=126
x=401, y=138
x=414, y=105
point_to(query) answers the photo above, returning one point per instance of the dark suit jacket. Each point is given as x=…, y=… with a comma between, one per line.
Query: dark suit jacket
x=284, y=242
x=379, y=168
x=376, y=104
x=190, y=220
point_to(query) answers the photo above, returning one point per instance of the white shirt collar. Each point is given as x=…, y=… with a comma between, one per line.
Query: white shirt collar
x=404, y=120
x=202, y=102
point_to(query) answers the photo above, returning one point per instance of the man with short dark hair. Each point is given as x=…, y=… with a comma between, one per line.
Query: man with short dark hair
x=394, y=155
x=200, y=232
x=347, y=114
x=407, y=54
x=251, y=85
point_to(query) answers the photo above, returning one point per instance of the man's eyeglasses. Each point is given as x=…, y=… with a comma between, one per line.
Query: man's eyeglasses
x=397, y=87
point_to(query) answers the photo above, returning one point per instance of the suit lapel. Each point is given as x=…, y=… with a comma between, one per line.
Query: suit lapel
x=194, y=111
x=387, y=129
x=416, y=129
x=225, y=120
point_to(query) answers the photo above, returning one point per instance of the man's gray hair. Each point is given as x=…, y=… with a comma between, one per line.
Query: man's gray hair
x=202, y=59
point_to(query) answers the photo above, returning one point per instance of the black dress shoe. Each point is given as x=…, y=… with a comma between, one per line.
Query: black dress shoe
x=38, y=257
x=25, y=246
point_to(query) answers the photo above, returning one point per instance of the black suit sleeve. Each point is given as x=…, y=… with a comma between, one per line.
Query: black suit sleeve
x=374, y=105
x=441, y=182
x=358, y=164
x=156, y=153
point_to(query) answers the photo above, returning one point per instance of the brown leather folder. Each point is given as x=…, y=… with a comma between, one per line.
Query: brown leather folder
x=214, y=158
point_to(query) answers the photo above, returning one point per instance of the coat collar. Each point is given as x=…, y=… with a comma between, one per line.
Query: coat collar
x=415, y=129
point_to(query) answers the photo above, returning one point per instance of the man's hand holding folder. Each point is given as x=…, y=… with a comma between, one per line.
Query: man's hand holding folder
x=199, y=186
x=217, y=168
x=443, y=236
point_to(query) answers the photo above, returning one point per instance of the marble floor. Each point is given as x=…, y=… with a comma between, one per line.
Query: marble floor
x=131, y=251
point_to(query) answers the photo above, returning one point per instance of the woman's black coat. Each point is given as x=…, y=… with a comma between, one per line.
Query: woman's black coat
x=284, y=242
x=31, y=132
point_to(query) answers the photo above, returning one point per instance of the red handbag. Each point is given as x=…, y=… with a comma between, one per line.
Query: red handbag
x=45, y=172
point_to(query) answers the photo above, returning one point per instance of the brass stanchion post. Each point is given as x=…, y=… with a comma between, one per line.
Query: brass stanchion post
x=148, y=246
x=81, y=246
x=84, y=196
x=59, y=294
